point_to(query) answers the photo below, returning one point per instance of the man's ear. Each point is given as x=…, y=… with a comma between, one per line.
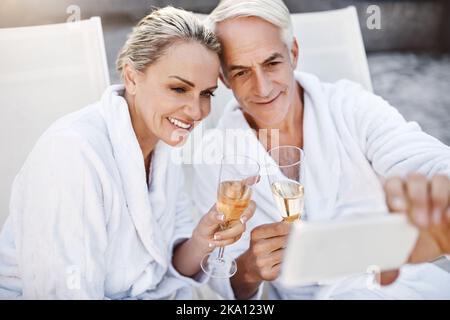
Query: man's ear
x=130, y=79
x=224, y=80
x=294, y=53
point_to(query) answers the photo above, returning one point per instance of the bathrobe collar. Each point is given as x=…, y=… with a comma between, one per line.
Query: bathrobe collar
x=322, y=161
x=130, y=162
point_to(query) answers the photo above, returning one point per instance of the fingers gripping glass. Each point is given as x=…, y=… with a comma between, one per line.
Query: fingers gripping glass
x=237, y=175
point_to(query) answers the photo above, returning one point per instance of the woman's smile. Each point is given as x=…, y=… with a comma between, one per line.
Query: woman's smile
x=180, y=124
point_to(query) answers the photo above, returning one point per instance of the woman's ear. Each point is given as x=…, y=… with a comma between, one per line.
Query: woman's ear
x=294, y=53
x=130, y=79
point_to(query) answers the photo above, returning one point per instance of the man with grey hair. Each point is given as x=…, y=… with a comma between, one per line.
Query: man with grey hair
x=361, y=156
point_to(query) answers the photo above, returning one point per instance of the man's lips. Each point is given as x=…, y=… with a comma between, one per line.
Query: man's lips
x=269, y=101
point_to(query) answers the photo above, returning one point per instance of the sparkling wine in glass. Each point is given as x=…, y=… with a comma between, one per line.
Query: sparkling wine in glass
x=233, y=197
x=285, y=173
x=237, y=175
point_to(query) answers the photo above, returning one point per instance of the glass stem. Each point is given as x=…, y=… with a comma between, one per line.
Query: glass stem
x=220, y=255
x=221, y=249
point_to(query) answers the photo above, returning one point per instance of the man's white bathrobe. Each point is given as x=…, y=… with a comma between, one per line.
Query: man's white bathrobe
x=352, y=140
x=84, y=224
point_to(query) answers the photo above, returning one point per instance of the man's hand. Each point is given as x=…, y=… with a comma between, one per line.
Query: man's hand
x=427, y=203
x=262, y=261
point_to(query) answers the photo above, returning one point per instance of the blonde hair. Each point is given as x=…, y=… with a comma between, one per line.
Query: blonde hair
x=273, y=11
x=156, y=32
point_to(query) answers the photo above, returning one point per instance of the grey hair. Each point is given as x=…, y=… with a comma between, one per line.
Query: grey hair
x=273, y=11
x=156, y=32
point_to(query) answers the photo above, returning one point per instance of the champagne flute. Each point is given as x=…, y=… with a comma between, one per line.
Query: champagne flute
x=285, y=176
x=237, y=175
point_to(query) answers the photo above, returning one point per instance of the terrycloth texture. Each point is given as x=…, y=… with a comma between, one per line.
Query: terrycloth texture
x=83, y=223
x=352, y=140
x=425, y=281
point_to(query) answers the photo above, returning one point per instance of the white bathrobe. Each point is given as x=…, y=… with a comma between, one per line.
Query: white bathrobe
x=84, y=225
x=352, y=140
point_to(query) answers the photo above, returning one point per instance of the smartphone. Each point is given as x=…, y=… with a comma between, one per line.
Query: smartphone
x=320, y=251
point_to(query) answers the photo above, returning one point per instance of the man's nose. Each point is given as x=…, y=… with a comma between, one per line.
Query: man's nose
x=263, y=86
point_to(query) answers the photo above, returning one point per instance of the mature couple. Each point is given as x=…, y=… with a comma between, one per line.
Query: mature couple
x=98, y=210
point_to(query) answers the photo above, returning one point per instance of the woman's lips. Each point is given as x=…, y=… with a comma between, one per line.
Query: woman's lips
x=180, y=124
x=179, y=134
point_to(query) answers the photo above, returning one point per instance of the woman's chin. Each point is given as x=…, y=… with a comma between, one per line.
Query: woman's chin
x=175, y=144
x=177, y=137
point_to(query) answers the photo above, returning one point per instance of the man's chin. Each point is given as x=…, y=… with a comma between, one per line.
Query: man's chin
x=266, y=118
x=273, y=115
x=270, y=121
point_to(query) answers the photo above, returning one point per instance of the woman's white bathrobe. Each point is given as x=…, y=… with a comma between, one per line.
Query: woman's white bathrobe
x=352, y=140
x=84, y=224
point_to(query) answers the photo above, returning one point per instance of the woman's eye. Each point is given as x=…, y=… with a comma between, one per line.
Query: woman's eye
x=207, y=94
x=179, y=90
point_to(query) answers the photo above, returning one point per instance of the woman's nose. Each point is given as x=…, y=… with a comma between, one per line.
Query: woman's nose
x=194, y=110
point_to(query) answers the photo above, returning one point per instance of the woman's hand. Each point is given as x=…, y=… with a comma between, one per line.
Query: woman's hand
x=208, y=235
x=208, y=232
x=427, y=204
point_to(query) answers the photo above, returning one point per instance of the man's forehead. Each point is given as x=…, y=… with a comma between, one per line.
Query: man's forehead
x=242, y=59
x=249, y=40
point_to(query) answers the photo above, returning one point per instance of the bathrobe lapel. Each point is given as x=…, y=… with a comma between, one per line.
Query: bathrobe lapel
x=322, y=161
x=128, y=156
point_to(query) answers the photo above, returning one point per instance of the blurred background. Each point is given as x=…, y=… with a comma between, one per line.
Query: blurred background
x=409, y=57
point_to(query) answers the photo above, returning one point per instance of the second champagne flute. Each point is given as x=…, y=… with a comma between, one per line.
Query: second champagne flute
x=285, y=176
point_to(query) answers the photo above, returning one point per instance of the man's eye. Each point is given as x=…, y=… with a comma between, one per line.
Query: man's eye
x=274, y=63
x=240, y=74
x=179, y=90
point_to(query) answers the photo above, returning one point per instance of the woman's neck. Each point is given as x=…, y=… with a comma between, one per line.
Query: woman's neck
x=147, y=141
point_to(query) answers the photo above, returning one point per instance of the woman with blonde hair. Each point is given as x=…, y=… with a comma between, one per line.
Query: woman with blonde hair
x=98, y=211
